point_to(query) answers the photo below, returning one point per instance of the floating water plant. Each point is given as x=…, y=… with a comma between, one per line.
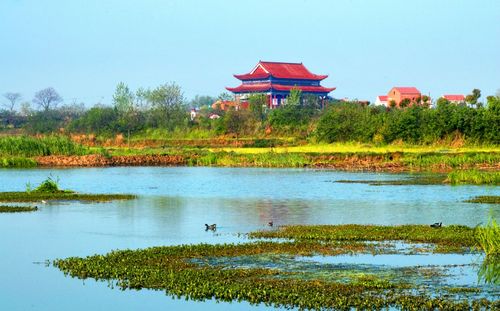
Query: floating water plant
x=268, y=272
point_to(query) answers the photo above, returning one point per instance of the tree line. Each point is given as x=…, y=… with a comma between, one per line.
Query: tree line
x=305, y=116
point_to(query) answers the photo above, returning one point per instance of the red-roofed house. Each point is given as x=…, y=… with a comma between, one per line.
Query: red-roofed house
x=398, y=94
x=455, y=99
x=381, y=100
x=276, y=79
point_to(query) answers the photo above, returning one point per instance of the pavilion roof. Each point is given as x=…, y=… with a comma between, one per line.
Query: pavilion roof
x=264, y=87
x=280, y=70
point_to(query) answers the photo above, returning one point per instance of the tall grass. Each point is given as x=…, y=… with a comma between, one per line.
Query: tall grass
x=488, y=238
x=26, y=146
x=474, y=177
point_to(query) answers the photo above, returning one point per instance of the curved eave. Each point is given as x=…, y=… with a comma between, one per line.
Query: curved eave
x=248, y=76
x=253, y=88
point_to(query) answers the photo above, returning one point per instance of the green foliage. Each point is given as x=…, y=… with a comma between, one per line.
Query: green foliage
x=26, y=146
x=99, y=120
x=13, y=162
x=414, y=124
x=49, y=185
x=348, y=122
x=294, y=98
x=257, y=102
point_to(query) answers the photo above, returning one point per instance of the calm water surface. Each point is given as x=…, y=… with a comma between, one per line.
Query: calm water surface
x=172, y=208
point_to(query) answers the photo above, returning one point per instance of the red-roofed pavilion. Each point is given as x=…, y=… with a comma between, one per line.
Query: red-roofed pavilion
x=276, y=79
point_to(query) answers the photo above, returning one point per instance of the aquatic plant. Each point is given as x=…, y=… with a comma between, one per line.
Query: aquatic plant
x=178, y=271
x=49, y=185
x=17, y=209
x=447, y=239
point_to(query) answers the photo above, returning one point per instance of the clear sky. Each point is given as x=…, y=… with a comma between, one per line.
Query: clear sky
x=84, y=48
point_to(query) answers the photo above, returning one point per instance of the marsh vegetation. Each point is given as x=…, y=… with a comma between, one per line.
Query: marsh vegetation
x=268, y=272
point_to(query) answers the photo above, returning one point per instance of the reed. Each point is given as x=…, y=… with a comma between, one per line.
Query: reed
x=488, y=238
x=26, y=146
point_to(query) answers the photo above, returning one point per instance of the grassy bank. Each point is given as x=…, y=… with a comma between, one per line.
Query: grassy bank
x=22, y=151
x=474, y=177
x=224, y=273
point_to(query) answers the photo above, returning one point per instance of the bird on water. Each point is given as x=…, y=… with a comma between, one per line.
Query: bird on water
x=212, y=227
x=271, y=223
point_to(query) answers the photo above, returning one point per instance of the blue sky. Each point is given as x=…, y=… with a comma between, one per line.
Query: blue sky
x=84, y=48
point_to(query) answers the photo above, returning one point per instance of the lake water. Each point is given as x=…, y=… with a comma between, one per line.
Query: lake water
x=174, y=204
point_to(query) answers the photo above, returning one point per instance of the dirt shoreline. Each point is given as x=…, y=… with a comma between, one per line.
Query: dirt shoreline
x=353, y=163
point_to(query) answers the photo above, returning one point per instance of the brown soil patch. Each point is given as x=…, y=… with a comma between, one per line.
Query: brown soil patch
x=99, y=160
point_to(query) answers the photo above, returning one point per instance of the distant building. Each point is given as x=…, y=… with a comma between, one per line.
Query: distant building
x=398, y=94
x=229, y=104
x=454, y=99
x=276, y=79
x=381, y=100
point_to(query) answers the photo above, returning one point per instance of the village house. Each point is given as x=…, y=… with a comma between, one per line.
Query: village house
x=397, y=94
x=276, y=80
x=454, y=99
x=381, y=100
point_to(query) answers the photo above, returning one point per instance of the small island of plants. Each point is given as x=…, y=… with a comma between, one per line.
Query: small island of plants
x=49, y=190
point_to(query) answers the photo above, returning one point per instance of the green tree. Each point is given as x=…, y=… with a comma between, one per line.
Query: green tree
x=294, y=98
x=123, y=99
x=200, y=101
x=168, y=107
x=257, y=102
x=472, y=99
x=128, y=115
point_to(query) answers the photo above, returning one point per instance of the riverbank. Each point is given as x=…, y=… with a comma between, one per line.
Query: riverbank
x=61, y=151
x=357, y=161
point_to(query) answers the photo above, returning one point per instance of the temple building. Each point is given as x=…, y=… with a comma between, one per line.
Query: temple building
x=276, y=79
